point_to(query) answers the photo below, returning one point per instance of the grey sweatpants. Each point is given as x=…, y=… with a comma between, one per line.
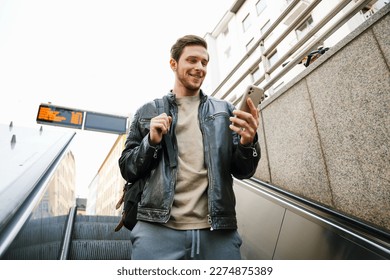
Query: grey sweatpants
x=157, y=242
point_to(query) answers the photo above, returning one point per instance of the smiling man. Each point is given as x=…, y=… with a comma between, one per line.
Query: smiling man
x=187, y=209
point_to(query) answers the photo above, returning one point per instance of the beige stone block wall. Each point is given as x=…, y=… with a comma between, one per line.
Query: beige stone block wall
x=326, y=135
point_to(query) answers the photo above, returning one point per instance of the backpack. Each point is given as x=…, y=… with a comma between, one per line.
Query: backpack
x=130, y=198
x=132, y=192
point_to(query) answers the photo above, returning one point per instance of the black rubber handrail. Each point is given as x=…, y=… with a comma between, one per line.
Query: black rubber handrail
x=52, y=158
x=365, y=228
x=67, y=239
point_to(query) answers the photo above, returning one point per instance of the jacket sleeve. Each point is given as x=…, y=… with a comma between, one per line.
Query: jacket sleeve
x=245, y=158
x=138, y=156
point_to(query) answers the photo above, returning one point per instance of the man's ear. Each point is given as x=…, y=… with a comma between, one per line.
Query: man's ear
x=173, y=64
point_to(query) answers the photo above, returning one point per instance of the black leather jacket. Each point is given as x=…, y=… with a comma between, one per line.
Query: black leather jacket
x=224, y=158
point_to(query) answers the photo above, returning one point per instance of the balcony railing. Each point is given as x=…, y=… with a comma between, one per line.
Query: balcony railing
x=314, y=37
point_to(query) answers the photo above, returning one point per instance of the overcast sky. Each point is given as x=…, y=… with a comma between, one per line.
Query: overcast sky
x=107, y=56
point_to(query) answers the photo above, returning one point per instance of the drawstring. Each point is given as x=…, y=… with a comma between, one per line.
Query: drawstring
x=195, y=241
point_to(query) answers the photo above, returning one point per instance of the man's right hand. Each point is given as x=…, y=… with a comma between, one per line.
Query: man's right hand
x=158, y=127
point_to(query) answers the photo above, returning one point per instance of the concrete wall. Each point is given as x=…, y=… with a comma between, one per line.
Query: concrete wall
x=326, y=134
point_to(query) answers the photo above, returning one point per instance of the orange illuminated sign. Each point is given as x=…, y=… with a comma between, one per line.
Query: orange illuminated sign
x=87, y=120
x=50, y=114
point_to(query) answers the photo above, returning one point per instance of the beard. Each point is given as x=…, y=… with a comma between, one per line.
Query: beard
x=191, y=83
x=192, y=86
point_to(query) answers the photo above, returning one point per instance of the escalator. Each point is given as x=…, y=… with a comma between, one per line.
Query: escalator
x=91, y=238
x=274, y=225
x=278, y=225
x=34, y=224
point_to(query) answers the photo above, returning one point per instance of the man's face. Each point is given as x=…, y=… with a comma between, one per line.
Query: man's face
x=191, y=68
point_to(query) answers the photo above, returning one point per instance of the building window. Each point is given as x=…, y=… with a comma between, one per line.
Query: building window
x=256, y=74
x=304, y=27
x=273, y=58
x=249, y=45
x=260, y=6
x=264, y=28
x=246, y=23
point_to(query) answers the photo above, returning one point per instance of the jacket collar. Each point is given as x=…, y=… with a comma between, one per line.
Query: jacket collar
x=171, y=96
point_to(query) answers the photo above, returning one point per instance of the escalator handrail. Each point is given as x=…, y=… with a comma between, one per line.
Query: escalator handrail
x=67, y=239
x=12, y=227
x=363, y=227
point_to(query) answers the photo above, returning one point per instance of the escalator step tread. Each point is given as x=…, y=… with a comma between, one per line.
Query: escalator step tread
x=103, y=219
x=100, y=250
x=99, y=231
x=47, y=251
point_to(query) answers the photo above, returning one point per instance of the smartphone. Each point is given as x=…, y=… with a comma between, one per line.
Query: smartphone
x=255, y=93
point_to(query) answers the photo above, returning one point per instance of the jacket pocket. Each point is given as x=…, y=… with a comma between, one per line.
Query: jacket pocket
x=158, y=192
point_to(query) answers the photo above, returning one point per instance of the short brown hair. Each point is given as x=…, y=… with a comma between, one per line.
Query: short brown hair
x=187, y=40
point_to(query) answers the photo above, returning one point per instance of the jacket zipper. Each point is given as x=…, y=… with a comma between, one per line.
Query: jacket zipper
x=210, y=222
x=254, y=152
x=209, y=219
x=174, y=171
x=155, y=154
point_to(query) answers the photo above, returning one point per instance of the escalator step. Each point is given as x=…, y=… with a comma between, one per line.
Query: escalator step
x=47, y=251
x=99, y=231
x=100, y=219
x=100, y=250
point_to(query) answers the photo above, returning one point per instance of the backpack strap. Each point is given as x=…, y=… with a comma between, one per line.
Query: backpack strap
x=162, y=106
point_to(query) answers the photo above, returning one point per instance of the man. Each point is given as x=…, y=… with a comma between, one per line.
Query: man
x=187, y=210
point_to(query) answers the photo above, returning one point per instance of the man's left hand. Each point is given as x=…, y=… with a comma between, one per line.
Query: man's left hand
x=246, y=124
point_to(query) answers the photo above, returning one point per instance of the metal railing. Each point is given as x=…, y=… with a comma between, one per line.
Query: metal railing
x=42, y=171
x=356, y=235
x=67, y=239
x=299, y=50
